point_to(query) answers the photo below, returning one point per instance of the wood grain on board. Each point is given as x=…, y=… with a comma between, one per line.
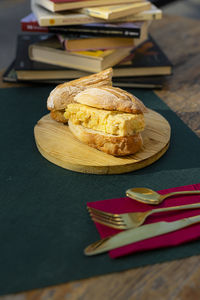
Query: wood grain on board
x=57, y=144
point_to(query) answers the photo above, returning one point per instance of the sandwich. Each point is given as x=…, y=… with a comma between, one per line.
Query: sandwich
x=104, y=117
x=64, y=93
x=108, y=119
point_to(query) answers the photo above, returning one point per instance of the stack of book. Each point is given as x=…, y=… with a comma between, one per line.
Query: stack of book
x=66, y=39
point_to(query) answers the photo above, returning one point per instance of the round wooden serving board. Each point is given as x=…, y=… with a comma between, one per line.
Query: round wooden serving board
x=57, y=144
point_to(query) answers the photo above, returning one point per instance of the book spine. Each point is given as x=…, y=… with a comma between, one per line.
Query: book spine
x=33, y=27
x=97, y=32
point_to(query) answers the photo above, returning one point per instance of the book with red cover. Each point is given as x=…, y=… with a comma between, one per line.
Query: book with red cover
x=120, y=29
x=30, y=24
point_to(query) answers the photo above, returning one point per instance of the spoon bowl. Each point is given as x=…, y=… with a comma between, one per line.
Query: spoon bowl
x=149, y=196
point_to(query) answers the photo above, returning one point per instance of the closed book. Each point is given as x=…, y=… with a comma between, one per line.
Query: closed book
x=51, y=51
x=10, y=75
x=133, y=29
x=118, y=29
x=45, y=17
x=53, y=6
x=26, y=69
x=96, y=43
x=147, y=60
x=48, y=18
x=155, y=82
x=112, y=12
x=30, y=24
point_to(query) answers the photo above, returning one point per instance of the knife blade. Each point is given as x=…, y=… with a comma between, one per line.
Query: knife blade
x=134, y=235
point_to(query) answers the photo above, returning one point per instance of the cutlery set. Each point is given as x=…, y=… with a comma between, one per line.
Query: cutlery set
x=131, y=222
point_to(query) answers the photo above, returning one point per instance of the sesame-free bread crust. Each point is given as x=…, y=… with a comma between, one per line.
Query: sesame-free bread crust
x=110, y=144
x=110, y=98
x=64, y=93
x=58, y=115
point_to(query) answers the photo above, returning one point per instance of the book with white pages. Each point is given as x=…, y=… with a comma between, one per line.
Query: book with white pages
x=55, y=5
x=48, y=18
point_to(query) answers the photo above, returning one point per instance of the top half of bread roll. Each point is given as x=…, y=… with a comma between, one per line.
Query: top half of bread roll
x=64, y=93
x=110, y=98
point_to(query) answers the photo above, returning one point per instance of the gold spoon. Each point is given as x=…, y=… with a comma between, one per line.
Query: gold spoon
x=149, y=196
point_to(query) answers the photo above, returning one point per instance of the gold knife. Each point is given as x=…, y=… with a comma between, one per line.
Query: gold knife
x=141, y=233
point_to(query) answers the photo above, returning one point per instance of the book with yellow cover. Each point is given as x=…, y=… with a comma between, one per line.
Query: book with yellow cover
x=60, y=6
x=95, y=43
x=116, y=11
x=50, y=51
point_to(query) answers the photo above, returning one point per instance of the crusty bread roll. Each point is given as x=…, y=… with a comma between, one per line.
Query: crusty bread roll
x=108, y=143
x=110, y=98
x=64, y=93
x=104, y=117
x=108, y=119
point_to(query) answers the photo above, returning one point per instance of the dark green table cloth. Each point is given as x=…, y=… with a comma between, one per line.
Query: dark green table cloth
x=44, y=224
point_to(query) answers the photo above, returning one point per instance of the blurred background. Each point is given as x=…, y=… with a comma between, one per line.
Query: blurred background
x=11, y=11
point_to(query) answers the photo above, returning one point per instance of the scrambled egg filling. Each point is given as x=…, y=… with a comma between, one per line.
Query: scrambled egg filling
x=112, y=122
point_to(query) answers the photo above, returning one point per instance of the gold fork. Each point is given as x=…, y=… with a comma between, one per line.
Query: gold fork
x=131, y=220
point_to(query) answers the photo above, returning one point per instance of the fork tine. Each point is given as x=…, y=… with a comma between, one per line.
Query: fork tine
x=107, y=219
x=111, y=220
x=106, y=215
x=108, y=223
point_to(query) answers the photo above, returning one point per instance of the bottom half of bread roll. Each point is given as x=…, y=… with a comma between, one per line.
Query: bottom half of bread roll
x=108, y=143
x=58, y=115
